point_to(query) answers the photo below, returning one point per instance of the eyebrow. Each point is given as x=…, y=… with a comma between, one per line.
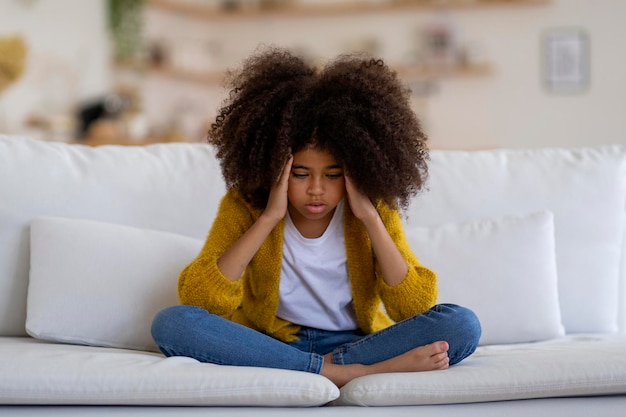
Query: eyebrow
x=300, y=166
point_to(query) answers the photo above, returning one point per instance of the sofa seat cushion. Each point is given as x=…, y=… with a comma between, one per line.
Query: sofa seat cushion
x=580, y=365
x=36, y=372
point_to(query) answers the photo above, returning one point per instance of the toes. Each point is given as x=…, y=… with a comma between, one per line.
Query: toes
x=439, y=347
x=441, y=360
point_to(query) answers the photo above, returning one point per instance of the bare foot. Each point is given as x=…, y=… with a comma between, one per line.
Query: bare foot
x=424, y=358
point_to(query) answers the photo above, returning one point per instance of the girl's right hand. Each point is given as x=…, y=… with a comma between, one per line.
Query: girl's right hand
x=277, y=202
x=236, y=259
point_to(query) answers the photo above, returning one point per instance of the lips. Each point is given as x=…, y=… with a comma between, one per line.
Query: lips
x=315, y=208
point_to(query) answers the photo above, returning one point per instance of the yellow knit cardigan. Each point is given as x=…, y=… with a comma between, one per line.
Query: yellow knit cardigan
x=253, y=299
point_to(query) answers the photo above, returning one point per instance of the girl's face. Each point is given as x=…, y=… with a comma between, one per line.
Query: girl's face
x=316, y=186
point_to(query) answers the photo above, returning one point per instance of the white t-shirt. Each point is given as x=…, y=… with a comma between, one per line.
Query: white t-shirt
x=314, y=285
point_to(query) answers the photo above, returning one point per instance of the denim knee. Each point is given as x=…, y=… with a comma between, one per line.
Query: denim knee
x=166, y=325
x=471, y=324
x=467, y=331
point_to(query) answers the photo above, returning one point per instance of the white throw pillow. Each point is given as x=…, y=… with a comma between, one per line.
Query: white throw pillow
x=101, y=284
x=504, y=269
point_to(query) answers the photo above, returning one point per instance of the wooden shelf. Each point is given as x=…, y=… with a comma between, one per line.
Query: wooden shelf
x=208, y=78
x=293, y=9
x=405, y=72
x=173, y=73
x=409, y=73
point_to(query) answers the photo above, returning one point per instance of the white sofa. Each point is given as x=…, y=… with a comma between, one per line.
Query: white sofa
x=93, y=239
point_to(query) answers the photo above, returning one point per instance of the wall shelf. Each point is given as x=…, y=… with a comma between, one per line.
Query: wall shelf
x=206, y=78
x=409, y=73
x=293, y=9
x=405, y=72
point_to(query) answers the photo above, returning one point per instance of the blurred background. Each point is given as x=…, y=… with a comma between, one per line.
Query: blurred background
x=483, y=73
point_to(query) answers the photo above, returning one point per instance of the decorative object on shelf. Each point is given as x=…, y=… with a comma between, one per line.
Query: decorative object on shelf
x=272, y=5
x=12, y=64
x=441, y=52
x=566, y=60
x=12, y=60
x=230, y=5
x=472, y=54
x=125, y=25
x=440, y=43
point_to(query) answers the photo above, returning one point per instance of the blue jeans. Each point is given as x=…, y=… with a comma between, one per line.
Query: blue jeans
x=194, y=332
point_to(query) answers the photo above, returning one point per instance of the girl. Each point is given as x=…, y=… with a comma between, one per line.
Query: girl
x=306, y=266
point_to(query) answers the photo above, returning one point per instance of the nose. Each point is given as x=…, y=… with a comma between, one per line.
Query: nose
x=315, y=187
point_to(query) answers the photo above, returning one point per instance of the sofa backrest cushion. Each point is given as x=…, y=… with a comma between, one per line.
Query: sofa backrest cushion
x=584, y=188
x=166, y=187
x=177, y=187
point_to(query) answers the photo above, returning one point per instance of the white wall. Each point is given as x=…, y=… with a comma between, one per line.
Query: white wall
x=511, y=108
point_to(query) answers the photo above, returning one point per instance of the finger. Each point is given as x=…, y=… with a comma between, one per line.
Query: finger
x=352, y=191
x=349, y=184
x=286, y=170
x=284, y=174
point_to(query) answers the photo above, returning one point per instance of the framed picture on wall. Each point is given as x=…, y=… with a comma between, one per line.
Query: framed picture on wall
x=566, y=60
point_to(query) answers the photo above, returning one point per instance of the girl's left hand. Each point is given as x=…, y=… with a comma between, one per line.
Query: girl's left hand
x=360, y=204
x=393, y=265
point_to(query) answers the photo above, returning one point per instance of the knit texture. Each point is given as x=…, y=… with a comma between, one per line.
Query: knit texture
x=253, y=299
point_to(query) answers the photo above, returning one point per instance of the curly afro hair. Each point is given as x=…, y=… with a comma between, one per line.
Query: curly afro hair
x=354, y=107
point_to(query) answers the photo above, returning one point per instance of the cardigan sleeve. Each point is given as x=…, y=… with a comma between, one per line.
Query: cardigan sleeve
x=418, y=291
x=202, y=283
